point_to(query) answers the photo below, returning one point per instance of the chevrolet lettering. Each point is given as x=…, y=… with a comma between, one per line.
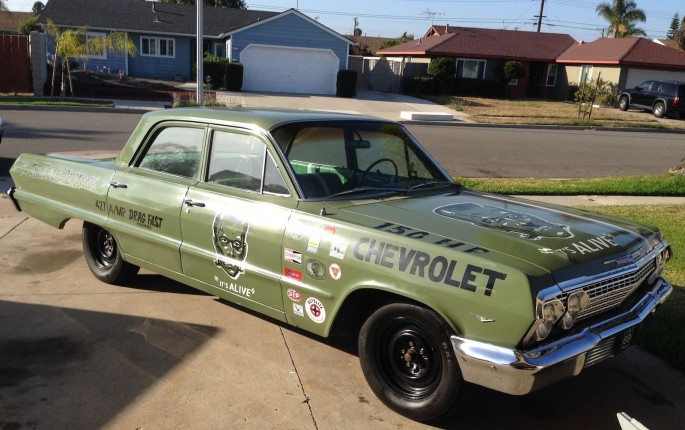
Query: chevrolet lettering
x=342, y=224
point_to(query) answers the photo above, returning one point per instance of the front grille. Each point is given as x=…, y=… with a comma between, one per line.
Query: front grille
x=610, y=293
x=603, y=350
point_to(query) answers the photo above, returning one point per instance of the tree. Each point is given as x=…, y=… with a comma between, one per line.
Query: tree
x=37, y=8
x=74, y=44
x=402, y=39
x=26, y=26
x=3, y=5
x=673, y=28
x=622, y=16
x=231, y=4
x=680, y=35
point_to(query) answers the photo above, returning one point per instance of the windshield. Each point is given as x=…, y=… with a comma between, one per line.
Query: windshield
x=343, y=158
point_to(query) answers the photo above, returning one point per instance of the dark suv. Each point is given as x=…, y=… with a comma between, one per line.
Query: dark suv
x=663, y=98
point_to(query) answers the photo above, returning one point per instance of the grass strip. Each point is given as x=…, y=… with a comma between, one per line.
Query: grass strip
x=671, y=185
x=664, y=337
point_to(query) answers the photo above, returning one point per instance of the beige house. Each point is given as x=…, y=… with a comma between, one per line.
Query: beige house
x=627, y=62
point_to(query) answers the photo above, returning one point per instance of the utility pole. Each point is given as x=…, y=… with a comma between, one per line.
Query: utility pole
x=542, y=8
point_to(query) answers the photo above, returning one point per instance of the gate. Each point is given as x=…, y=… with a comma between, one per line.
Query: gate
x=15, y=64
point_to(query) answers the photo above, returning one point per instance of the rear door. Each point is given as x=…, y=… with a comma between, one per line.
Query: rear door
x=144, y=200
x=233, y=223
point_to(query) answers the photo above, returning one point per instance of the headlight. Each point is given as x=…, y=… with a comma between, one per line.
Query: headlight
x=551, y=312
x=576, y=302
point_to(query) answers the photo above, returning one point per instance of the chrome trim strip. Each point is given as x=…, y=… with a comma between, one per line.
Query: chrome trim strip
x=520, y=372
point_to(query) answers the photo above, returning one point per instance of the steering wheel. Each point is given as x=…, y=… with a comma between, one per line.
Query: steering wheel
x=377, y=162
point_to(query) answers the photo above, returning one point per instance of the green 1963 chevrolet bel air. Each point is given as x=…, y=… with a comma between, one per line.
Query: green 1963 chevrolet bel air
x=344, y=224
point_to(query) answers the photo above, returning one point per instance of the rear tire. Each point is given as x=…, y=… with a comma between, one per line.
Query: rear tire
x=103, y=257
x=407, y=358
x=623, y=103
x=659, y=110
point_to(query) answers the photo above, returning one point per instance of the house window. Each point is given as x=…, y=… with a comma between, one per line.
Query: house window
x=220, y=50
x=471, y=69
x=585, y=74
x=514, y=82
x=157, y=47
x=94, y=53
x=551, y=75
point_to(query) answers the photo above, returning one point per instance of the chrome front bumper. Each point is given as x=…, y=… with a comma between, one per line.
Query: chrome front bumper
x=520, y=372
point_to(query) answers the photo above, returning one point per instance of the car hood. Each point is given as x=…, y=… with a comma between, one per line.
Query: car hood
x=565, y=242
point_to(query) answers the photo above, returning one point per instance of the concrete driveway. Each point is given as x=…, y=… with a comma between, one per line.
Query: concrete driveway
x=79, y=354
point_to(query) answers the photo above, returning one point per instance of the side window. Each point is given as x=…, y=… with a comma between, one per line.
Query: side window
x=236, y=160
x=176, y=151
x=273, y=181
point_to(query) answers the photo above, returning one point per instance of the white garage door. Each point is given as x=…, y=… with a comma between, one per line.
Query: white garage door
x=289, y=70
x=638, y=76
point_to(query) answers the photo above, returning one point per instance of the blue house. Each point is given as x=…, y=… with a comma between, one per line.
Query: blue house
x=281, y=52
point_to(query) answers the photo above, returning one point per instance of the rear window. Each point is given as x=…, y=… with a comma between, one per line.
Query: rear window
x=667, y=88
x=681, y=91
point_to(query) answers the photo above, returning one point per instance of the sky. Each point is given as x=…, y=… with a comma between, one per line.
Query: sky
x=391, y=18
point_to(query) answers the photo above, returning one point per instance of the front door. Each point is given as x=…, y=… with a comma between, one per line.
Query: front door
x=233, y=224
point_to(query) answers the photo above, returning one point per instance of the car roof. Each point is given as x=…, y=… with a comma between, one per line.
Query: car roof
x=262, y=118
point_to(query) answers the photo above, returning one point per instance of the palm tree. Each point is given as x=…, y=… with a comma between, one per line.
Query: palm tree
x=73, y=44
x=622, y=16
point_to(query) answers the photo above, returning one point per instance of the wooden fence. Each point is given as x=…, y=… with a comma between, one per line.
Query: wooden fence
x=15, y=64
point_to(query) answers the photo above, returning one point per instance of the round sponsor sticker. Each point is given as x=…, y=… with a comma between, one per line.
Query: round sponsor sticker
x=335, y=271
x=294, y=295
x=315, y=310
x=315, y=269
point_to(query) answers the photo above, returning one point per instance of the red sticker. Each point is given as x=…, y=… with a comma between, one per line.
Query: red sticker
x=329, y=229
x=293, y=274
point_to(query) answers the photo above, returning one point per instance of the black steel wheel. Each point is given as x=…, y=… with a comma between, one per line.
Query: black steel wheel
x=659, y=109
x=407, y=358
x=103, y=257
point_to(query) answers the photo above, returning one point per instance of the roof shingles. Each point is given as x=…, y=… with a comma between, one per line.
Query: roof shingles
x=486, y=43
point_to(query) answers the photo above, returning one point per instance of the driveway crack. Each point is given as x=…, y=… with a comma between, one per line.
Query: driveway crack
x=304, y=392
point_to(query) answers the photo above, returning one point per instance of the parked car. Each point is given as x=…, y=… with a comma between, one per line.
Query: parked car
x=344, y=224
x=663, y=98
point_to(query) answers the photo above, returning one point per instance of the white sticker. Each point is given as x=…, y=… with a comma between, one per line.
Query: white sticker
x=292, y=256
x=298, y=309
x=338, y=249
x=313, y=244
x=315, y=310
x=335, y=271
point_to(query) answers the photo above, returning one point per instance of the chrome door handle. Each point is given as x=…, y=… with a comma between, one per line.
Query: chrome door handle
x=118, y=185
x=193, y=203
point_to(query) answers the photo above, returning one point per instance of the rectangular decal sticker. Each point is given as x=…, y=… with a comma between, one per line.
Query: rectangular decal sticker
x=293, y=274
x=338, y=249
x=292, y=256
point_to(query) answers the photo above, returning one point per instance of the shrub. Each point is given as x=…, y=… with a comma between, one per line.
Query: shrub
x=234, y=77
x=346, y=83
x=442, y=67
x=512, y=70
x=214, y=71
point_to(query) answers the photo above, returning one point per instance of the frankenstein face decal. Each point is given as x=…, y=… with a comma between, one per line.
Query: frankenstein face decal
x=230, y=243
x=525, y=225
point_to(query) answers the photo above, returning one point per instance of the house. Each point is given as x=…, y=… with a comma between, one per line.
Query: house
x=480, y=52
x=626, y=62
x=281, y=52
x=9, y=21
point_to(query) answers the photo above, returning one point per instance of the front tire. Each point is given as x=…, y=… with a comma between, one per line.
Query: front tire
x=659, y=110
x=406, y=355
x=103, y=257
